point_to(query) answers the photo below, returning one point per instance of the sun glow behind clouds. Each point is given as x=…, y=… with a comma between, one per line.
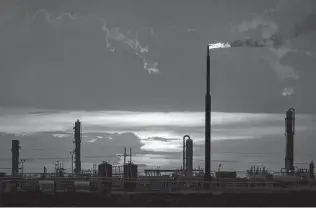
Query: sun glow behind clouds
x=172, y=125
x=24, y=122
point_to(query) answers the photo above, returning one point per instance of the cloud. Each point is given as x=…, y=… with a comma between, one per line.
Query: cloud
x=233, y=146
x=49, y=134
x=24, y=122
x=44, y=148
x=151, y=128
x=158, y=139
x=288, y=21
x=61, y=135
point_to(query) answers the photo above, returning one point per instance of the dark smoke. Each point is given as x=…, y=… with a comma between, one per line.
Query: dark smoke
x=247, y=43
x=307, y=25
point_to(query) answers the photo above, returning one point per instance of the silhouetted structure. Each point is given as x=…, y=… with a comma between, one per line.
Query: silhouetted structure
x=15, y=157
x=77, y=141
x=207, y=176
x=130, y=176
x=184, y=153
x=105, y=170
x=189, y=157
x=226, y=174
x=311, y=170
x=289, y=133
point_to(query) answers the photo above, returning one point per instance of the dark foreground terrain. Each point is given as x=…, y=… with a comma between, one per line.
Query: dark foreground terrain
x=302, y=198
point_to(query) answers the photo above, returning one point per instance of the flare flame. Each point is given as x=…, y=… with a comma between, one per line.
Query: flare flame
x=240, y=43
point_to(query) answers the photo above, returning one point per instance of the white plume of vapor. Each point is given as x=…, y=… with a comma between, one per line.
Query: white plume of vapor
x=115, y=34
x=279, y=45
x=111, y=34
x=55, y=19
x=250, y=43
x=288, y=91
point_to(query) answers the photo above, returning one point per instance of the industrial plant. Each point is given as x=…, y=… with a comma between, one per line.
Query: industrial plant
x=126, y=178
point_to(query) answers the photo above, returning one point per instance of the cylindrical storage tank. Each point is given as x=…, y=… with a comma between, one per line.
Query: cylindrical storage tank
x=286, y=178
x=82, y=185
x=189, y=157
x=46, y=185
x=130, y=177
x=105, y=170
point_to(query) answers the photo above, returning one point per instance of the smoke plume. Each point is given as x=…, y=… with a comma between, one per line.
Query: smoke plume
x=114, y=34
x=247, y=43
x=277, y=38
x=111, y=35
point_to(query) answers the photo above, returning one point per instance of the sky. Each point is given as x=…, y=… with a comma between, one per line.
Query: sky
x=137, y=69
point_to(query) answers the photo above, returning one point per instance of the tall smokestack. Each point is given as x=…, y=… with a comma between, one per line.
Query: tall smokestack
x=289, y=133
x=208, y=119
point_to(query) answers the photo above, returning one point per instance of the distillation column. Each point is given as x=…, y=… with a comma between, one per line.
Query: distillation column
x=184, y=153
x=289, y=133
x=15, y=150
x=77, y=151
x=189, y=157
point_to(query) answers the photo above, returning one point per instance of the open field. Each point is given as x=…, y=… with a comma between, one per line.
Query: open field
x=297, y=198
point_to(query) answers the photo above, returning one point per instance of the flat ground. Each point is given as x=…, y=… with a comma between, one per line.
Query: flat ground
x=294, y=198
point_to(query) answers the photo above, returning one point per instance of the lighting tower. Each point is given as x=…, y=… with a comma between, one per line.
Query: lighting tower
x=77, y=141
x=207, y=176
x=15, y=157
x=289, y=133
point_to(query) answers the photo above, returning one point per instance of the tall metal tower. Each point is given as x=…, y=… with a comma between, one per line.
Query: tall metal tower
x=77, y=141
x=15, y=157
x=289, y=133
x=207, y=176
